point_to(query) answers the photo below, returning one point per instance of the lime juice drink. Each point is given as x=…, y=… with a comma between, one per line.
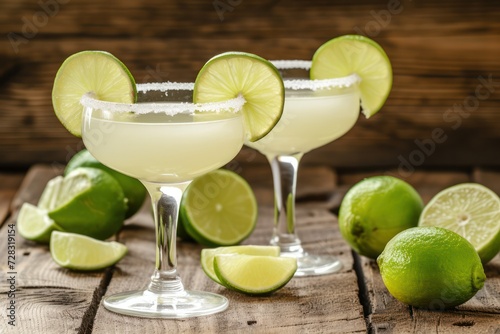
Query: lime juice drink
x=311, y=119
x=164, y=148
x=165, y=144
x=165, y=135
x=316, y=112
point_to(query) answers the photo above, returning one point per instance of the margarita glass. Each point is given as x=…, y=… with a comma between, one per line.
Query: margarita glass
x=316, y=112
x=164, y=141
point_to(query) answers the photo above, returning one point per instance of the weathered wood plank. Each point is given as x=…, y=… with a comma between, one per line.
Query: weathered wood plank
x=487, y=177
x=329, y=303
x=256, y=18
x=71, y=293
x=9, y=183
x=441, y=53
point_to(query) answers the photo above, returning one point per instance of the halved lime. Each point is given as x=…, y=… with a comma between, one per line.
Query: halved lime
x=350, y=54
x=89, y=202
x=79, y=252
x=208, y=255
x=134, y=190
x=472, y=211
x=34, y=224
x=219, y=209
x=97, y=72
x=230, y=74
x=254, y=274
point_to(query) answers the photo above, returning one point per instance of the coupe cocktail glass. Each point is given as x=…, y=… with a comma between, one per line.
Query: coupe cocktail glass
x=165, y=142
x=316, y=112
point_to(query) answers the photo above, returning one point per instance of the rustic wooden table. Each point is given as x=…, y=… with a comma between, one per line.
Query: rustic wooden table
x=49, y=299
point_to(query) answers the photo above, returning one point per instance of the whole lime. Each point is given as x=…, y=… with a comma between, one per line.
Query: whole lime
x=431, y=267
x=375, y=210
x=91, y=202
x=134, y=190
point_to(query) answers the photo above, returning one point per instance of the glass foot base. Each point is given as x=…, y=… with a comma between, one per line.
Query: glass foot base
x=313, y=265
x=150, y=305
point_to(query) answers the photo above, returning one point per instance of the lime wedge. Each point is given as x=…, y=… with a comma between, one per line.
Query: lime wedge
x=79, y=252
x=219, y=209
x=89, y=201
x=208, y=255
x=34, y=224
x=254, y=274
x=472, y=211
x=97, y=72
x=350, y=54
x=230, y=74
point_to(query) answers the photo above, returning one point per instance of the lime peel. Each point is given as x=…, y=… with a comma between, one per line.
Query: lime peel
x=431, y=267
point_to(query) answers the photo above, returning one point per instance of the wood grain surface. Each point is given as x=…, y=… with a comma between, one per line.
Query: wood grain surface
x=445, y=57
x=55, y=300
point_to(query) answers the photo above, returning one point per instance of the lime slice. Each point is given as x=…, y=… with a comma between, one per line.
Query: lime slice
x=254, y=274
x=219, y=209
x=134, y=190
x=89, y=202
x=472, y=211
x=34, y=224
x=96, y=72
x=230, y=74
x=208, y=255
x=350, y=54
x=79, y=252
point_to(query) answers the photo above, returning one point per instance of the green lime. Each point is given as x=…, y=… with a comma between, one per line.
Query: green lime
x=254, y=274
x=431, y=267
x=219, y=209
x=471, y=210
x=208, y=255
x=230, y=74
x=134, y=190
x=375, y=210
x=89, y=202
x=96, y=72
x=350, y=54
x=79, y=252
x=34, y=224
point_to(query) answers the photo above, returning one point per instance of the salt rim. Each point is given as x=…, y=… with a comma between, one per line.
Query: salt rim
x=297, y=84
x=233, y=105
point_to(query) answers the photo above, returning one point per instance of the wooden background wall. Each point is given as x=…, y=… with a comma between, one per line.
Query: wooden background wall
x=445, y=56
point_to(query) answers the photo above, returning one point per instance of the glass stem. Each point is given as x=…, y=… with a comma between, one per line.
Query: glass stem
x=284, y=169
x=165, y=200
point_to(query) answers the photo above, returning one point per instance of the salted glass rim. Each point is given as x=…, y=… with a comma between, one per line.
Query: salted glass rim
x=234, y=105
x=316, y=84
